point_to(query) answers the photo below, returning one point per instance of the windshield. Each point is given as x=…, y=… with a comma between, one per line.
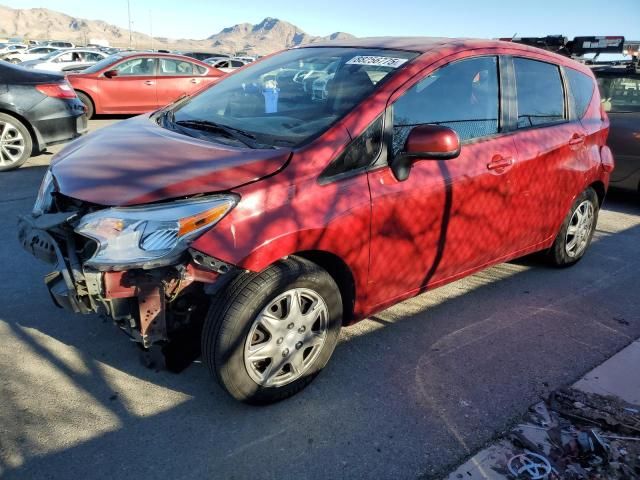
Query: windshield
x=293, y=96
x=105, y=62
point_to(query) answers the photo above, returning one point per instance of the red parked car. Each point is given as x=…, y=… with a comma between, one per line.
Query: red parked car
x=271, y=209
x=140, y=82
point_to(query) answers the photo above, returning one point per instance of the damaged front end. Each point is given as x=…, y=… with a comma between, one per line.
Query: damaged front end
x=133, y=264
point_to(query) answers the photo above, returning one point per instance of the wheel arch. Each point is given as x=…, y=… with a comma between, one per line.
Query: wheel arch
x=90, y=97
x=600, y=190
x=341, y=274
x=35, y=138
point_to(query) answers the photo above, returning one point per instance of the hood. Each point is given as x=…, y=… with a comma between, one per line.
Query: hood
x=136, y=161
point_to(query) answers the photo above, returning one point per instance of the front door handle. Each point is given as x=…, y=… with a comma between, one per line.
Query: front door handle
x=195, y=80
x=149, y=82
x=499, y=163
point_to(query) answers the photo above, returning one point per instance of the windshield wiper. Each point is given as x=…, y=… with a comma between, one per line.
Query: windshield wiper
x=247, y=138
x=167, y=117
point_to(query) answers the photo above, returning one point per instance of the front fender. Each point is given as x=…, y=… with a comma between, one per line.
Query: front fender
x=274, y=220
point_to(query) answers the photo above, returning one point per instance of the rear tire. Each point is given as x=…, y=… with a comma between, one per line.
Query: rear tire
x=88, y=104
x=576, y=231
x=256, y=313
x=16, y=144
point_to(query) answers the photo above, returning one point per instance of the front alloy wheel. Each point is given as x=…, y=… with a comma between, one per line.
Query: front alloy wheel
x=286, y=338
x=267, y=335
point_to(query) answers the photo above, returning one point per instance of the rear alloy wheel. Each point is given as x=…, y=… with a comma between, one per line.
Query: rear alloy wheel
x=15, y=143
x=577, y=230
x=268, y=335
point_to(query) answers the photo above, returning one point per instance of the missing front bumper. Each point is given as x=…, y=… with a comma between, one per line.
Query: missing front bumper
x=141, y=302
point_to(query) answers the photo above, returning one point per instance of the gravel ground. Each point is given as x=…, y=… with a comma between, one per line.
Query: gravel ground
x=409, y=393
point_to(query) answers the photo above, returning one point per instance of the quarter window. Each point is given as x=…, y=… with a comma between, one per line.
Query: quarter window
x=462, y=96
x=540, y=95
x=359, y=154
x=581, y=86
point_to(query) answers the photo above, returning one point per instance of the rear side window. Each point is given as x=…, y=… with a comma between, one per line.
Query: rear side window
x=540, y=95
x=581, y=87
x=620, y=94
x=175, y=67
x=462, y=96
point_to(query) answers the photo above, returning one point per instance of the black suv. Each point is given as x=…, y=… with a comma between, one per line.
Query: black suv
x=37, y=109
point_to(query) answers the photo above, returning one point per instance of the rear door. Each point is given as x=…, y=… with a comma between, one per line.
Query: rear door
x=621, y=100
x=553, y=157
x=132, y=90
x=177, y=77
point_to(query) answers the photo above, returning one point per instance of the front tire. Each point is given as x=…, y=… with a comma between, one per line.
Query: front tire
x=268, y=335
x=577, y=230
x=15, y=143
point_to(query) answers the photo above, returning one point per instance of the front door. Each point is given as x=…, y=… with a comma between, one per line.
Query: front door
x=448, y=216
x=132, y=90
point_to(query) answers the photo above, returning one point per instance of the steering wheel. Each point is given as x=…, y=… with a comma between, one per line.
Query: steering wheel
x=300, y=76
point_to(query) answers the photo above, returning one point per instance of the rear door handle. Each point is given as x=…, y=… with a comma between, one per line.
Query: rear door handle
x=577, y=140
x=499, y=163
x=195, y=80
x=149, y=82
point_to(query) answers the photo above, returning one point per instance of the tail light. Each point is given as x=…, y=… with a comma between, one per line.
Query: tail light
x=57, y=90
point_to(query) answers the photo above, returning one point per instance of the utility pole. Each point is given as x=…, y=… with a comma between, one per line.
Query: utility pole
x=129, y=14
x=151, y=28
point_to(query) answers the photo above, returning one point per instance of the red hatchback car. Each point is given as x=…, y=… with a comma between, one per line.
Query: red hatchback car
x=316, y=187
x=140, y=82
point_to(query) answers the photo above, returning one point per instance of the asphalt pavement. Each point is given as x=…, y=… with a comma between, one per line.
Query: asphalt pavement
x=409, y=393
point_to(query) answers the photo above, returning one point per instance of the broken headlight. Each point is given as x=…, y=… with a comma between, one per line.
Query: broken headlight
x=44, y=199
x=151, y=236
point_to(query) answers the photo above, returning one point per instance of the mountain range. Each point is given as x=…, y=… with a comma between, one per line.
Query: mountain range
x=268, y=36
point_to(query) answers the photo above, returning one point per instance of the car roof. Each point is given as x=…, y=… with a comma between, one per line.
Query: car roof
x=159, y=54
x=450, y=45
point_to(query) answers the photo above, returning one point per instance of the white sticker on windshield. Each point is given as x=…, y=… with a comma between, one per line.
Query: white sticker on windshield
x=377, y=61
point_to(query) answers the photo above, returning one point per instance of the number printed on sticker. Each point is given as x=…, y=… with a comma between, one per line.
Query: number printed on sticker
x=377, y=61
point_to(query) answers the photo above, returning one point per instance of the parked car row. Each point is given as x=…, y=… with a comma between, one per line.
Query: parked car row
x=261, y=218
x=139, y=82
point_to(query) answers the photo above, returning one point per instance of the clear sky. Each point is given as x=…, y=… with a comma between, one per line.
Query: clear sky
x=469, y=18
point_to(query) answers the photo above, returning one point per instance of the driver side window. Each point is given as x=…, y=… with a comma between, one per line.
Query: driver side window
x=462, y=96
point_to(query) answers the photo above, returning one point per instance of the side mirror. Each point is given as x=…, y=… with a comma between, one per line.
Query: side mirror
x=426, y=142
x=111, y=73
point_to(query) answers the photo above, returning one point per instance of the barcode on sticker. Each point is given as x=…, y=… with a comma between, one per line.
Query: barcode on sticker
x=377, y=61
